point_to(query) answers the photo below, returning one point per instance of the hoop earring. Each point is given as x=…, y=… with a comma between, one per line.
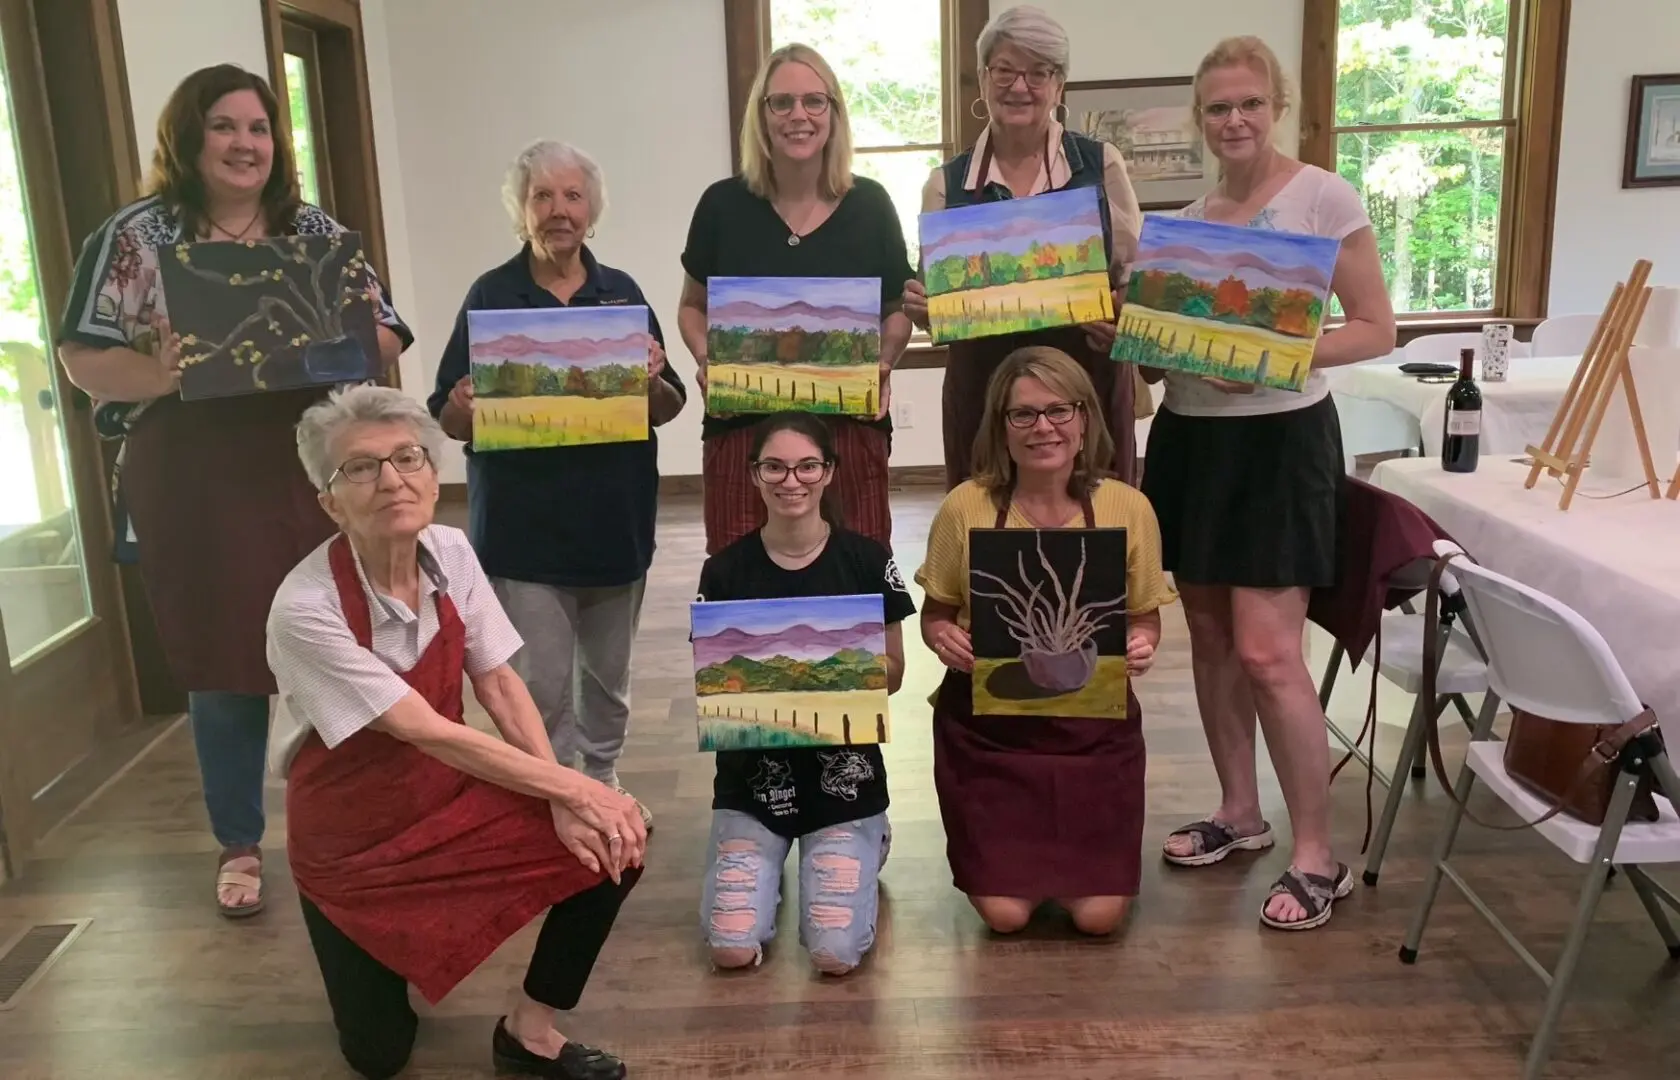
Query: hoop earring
x=979, y=111
x=589, y=234
x=1062, y=119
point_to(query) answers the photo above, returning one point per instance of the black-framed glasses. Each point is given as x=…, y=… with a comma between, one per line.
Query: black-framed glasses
x=1248, y=106
x=1059, y=413
x=808, y=471
x=1003, y=76
x=782, y=104
x=365, y=470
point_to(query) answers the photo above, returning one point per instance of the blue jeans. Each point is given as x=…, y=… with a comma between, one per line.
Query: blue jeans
x=838, y=874
x=230, y=732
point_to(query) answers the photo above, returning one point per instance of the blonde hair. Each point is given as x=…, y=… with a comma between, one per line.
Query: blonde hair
x=1250, y=52
x=994, y=469
x=756, y=167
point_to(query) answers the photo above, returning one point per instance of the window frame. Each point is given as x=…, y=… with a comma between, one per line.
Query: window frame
x=1534, y=80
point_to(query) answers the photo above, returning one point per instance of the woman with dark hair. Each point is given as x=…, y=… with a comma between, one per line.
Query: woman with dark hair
x=221, y=509
x=832, y=801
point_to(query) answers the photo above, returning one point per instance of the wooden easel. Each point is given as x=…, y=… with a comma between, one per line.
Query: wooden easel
x=1602, y=366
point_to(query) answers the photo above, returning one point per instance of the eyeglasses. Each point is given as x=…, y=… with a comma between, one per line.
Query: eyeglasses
x=782, y=104
x=1025, y=416
x=808, y=471
x=1222, y=110
x=365, y=470
x=1003, y=76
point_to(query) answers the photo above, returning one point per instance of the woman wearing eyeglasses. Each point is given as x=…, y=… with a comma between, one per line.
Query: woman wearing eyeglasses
x=1245, y=483
x=832, y=801
x=1040, y=808
x=1026, y=151
x=795, y=210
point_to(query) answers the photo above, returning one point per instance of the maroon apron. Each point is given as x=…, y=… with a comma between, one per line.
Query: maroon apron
x=426, y=868
x=1039, y=808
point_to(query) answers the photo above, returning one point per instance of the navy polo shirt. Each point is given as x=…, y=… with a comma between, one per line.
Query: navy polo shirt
x=573, y=516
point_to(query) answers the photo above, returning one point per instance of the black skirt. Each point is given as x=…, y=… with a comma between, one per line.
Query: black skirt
x=1247, y=500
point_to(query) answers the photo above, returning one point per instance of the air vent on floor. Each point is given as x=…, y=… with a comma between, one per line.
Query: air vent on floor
x=28, y=956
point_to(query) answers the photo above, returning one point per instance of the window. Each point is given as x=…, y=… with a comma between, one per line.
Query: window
x=302, y=68
x=1435, y=111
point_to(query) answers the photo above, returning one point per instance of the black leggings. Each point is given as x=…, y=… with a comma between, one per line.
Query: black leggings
x=376, y=1024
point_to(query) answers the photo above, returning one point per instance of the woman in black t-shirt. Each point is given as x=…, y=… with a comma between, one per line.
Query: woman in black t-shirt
x=795, y=210
x=833, y=801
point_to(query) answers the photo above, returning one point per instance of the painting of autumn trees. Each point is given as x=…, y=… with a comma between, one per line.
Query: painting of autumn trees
x=1234, y=302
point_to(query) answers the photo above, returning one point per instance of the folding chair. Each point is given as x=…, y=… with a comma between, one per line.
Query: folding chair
x=1546, y=659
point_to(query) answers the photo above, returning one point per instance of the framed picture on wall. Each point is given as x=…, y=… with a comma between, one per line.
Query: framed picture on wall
x=1653, y=137
x=1153, y=124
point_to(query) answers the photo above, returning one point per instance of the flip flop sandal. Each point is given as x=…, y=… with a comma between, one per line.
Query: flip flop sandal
x=1215, y=840
x=249, y=882
x=1314, y=892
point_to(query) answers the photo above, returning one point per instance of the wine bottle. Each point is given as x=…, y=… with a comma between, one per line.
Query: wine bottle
x=1462, y=436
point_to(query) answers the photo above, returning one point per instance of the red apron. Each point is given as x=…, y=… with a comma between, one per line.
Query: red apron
x=426, y=868
x=1039, y=808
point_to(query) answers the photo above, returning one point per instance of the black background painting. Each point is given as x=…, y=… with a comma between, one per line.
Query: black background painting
x=243, y=305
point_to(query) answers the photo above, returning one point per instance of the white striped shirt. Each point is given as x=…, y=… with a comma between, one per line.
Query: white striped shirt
x=330, y=683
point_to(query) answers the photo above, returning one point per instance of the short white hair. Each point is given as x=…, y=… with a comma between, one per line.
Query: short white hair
x=1029, y=29
x=325, y=423
x=540, y=158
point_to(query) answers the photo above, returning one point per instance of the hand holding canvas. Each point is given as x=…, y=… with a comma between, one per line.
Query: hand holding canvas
x=953, y=646
x=168, y=358
x=656, y=359
x=456, y=417
x=1101, y=334
x=1140, y=653
x=915, y=303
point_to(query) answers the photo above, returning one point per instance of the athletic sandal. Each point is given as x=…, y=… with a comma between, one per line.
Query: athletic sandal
x=1213, y=840
x=576, y=1061
x=1314, y=892
x=240, y=879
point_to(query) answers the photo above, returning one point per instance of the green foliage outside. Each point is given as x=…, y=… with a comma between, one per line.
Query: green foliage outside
x=514, y=379
x=20, y=305
x=848, y=669
x=303, y=131
x=815, y=348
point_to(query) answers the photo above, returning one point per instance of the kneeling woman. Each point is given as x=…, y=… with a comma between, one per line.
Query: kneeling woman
x=420, y=844
x=1040, y=808
x=832, y=801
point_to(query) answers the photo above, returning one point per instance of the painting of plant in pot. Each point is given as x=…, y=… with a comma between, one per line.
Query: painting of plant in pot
x=1048, y=609
x=271, y=314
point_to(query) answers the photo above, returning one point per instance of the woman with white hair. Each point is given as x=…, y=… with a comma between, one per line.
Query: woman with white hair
x=571, y=581
x=1025, y=151
x=418, y=843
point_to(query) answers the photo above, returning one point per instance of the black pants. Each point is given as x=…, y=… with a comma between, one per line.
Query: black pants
x=376, y=1024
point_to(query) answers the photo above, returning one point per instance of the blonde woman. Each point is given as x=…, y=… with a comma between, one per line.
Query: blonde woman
x=795, y=210
x=1244, y=481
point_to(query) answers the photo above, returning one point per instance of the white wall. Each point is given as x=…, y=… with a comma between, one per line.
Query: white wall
x=1600, y=229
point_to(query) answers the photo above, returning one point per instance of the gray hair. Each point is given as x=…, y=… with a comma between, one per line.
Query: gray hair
x=544, y=156
x=1029, y=29
x=326, y=422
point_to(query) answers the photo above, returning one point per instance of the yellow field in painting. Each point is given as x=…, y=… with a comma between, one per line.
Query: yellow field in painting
x=1205, y=347
x=529, y=423
x=740, y=721
x=1103, y=697
x=759, y=388
x=1019, y=307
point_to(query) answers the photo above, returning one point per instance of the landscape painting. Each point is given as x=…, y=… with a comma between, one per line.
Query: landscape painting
x=1048, y=622
x=546, y=377
x=812, y=344
x=810, y=671
x=272, y=314
x=1016, y=265
x=1237, y=303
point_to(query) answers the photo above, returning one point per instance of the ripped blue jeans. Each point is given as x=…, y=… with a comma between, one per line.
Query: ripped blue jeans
x=838, y=872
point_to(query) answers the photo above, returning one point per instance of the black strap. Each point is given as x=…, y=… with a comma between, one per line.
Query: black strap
x=1085, y=508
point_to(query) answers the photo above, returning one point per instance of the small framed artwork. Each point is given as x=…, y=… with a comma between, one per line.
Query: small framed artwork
x=1153, y=124
x=1653, y=138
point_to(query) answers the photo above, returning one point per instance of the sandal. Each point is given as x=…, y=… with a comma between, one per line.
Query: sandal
x=1314, y=892
x=239, y=879
x=1213, y=840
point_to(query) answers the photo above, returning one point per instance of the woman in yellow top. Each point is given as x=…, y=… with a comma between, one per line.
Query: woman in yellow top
x=1043, y=807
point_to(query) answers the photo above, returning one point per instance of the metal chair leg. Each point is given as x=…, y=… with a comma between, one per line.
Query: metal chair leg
x=1646, y=890
x=1396, y=790
x=1328, y=683
x=1438, y=866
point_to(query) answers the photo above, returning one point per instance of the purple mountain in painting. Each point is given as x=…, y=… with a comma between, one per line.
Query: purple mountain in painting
x=1253, y=270
x=798, y=314
x=519, y=346
x=796, y=643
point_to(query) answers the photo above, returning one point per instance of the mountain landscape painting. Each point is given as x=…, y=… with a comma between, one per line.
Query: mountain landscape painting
x=809, y=671
x=1238, y=303
x=775, y=344
x=1015, y=265
x=558, y=376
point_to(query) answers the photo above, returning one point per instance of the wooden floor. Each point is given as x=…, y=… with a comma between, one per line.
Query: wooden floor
x=160, y=987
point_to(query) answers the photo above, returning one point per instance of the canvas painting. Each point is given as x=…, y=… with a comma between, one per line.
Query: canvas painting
x=1015, y=265
x=812, y=344
x=273, y=314
x=547, y=377
x=810, y=671
x=1238, y=303
x=1048, y=622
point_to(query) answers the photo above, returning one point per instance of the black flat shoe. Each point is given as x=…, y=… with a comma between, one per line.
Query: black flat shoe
x=576, y=1061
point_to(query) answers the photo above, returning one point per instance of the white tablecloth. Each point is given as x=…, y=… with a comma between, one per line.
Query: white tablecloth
x=1378, y=403
x=1616, y=560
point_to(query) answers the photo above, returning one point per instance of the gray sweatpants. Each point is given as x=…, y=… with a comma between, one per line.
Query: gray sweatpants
x=576, y=662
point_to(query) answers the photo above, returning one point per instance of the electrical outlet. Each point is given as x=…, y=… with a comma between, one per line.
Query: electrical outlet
x=903, y=415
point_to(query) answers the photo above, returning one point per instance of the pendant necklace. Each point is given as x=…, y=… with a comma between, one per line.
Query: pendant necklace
x=793, y=232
